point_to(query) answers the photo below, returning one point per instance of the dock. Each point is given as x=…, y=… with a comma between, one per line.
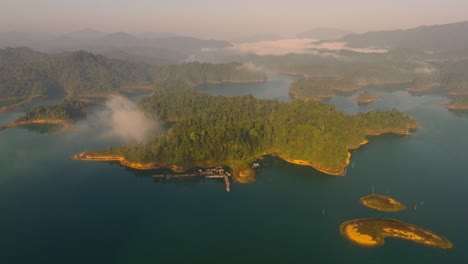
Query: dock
x=212, y=173
x=228, y=184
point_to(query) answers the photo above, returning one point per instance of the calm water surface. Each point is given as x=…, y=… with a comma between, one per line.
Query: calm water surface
x=57, y=210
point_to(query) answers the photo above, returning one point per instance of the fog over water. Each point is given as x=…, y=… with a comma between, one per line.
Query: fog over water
x=286, y=46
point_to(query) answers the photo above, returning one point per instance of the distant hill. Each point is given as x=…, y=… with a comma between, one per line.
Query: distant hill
x=324, y=33
x=152, y=48
x=155, y=35
x=448, y=37
x=257, y=38
x=25, y=73
x=87, y=33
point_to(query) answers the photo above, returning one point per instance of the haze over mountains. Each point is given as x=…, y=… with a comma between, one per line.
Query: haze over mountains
x=168, y=48
x=448, y=37
x=324, y=33
x=151, y=47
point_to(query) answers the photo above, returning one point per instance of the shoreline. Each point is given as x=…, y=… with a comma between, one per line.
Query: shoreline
x=234, y=81
x=366, y=101
x=89, y=156
x=319, y=98
x=371, y=232
x=420, y=91
x=382, y=203
x=456, y=107
x=241, y=172
x=65, y=122
x=335, y=90
x=12, y=107
x=337, y=171
x=341, y=171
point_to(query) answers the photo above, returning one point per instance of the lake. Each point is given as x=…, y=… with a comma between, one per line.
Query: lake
x=58, y=210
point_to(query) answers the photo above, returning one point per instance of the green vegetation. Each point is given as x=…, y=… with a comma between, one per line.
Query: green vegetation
x=234, y=130
x=198, y=73
x=313, y=88
x=362, y=68
x=372, y=232
x=65, y=113
x=382, y=203
x=454, y=76
x=459, y=102
x=67, y=110
x=327, y=73
x=344, y=71
x=25, y=73
x=83, y=73
x=22, y=74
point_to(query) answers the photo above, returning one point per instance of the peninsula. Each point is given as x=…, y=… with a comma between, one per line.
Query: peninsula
x=382, y=203
x=372, y=232
x=459, y=102
x=235, y=131
x=13, y=106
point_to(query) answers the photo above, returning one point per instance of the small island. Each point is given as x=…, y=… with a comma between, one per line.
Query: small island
x=312, y=89
x=365, y=98
x=235, y=131
x=372, y=232
x=382, y=203
x=64, y=114
x=319, y=88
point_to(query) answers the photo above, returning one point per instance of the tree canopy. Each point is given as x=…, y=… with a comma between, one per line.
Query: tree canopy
x=215, y=128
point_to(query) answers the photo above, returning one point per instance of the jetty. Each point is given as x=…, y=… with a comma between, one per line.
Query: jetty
x=211, y=173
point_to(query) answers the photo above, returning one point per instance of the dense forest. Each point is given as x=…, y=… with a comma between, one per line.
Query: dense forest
x=215, y=129
x=25, y=73
x=454, y=76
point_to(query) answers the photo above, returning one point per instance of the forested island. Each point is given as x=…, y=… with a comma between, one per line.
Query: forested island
x=372, y=232
x=316, y=89
x=328, y=73
x=65, y=114
x=382, y=203
x=319, y=88
x=365, y=98
x=235, y=131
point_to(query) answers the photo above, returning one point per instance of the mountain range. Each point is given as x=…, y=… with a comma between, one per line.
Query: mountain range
x=150, y=47
x=437, y=38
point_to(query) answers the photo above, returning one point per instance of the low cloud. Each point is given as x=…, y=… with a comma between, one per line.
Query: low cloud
x=425, y=70
x=250, y=67
x=299, y=46
x=120, y=120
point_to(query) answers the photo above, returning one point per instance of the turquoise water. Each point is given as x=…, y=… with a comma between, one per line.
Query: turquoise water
x=57, y=210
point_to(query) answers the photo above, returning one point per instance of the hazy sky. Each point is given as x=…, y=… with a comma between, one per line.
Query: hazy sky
x=225, y=19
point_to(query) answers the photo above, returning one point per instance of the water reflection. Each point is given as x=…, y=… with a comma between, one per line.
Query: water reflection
x=43, y=128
